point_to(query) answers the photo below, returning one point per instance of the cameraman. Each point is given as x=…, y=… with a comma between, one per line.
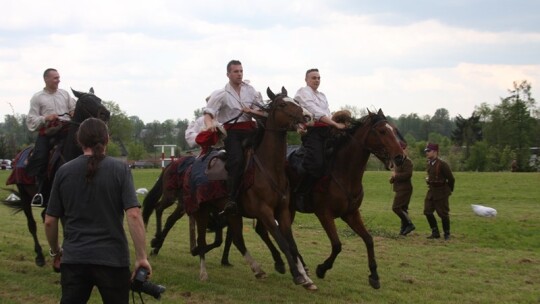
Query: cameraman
x=90, y=195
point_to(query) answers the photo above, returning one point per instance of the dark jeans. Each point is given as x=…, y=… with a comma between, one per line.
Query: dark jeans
x=78, y=280
x=235, y=158
x=313, y=143
x=37, y=163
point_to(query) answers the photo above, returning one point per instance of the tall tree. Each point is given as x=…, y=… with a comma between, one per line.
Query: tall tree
x=467, y=132
x=120, y=126
x=512, y=124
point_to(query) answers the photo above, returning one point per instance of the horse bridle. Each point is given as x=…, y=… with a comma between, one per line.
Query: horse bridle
x=99, y=111
x=266, y=110
x=374, y=122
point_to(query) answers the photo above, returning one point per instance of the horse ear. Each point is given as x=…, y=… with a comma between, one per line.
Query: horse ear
x=91, y=90
x=380, y=113
x=270, y=94
x=369, y=112
x=77, y=93
x=284, y=91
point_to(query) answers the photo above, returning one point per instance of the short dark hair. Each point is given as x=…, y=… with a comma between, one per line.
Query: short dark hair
x=311, y=70
x=233, y=62
x=47, y=72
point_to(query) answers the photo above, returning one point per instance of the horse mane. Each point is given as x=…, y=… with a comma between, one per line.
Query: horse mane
x=340, y=138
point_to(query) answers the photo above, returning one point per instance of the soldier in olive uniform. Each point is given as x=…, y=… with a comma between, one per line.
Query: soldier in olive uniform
x=401, y=181
x=441, y=185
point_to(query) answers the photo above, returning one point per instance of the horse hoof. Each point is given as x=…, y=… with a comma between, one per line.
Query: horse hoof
x=154, y=251
x=203, y=277
x=321, y=272
x=280, y=268
x=300, y=280
x=226, y=264
x=310, y=286
x=40, y=261
x=374, y=283
x=155, y=242
x=260, y=275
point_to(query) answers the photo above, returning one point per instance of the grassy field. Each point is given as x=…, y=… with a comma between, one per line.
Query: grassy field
x=488, y=260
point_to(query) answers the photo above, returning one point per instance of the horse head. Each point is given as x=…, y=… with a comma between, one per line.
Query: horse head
x=383, y=140
x=284, y=113
x=89, y=105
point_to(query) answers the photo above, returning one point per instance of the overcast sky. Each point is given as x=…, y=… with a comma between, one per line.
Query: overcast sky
x=159, y=59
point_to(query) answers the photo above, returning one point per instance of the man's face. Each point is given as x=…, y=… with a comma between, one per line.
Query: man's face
x=313, y=80
x=52, y=80
x=235, y=74
x=431, y=154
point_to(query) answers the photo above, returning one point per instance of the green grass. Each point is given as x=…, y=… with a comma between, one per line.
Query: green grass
x=488, y=260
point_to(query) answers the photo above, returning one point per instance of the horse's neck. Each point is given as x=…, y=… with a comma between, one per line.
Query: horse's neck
x=272, y=150
x=351, y=160
x=71, y=150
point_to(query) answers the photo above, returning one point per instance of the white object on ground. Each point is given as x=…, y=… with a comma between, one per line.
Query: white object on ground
x=12, y=197
x=484, y=211
x=142, y=191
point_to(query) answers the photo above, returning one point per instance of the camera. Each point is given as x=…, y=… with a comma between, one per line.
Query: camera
x=141, y=284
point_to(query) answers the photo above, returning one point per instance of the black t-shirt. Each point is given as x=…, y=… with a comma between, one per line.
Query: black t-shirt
x=93, y=213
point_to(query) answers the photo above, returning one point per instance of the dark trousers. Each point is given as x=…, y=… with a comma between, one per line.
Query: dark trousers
x=235, y=158
x=78, y=280
x=313, y=143
x=37, y=163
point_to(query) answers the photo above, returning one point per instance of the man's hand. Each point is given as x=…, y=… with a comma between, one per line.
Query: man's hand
x=56, y=262
x=51, y=117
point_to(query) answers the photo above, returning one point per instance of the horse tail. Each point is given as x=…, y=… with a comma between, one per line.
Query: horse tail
x=152, y=198
x=14, y=201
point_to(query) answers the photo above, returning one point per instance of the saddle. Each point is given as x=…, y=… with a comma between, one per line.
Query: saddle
x=215, y=170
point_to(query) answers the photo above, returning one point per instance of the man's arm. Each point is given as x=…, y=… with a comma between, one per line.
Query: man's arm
x=328, y=120
x=137, y=232
x=51, y=231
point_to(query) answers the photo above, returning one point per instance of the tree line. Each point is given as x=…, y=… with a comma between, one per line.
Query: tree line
x=490, y=139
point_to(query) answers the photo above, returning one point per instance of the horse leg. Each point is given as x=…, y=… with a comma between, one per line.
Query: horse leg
x=279, y=265
x=227, y=248
x=236, y=225
x=32, y=227
x=284, y=226
x=355, y=222
x=166, y=201
x=272, y=227
x=201, y=218
x=329, y=227
x=157, y=242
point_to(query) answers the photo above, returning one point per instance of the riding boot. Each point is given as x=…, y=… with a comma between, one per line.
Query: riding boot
x=231, y=207
x=446, y=227
x=434, y=228
x=37, y=200
x=302, y=192
x=408, y=225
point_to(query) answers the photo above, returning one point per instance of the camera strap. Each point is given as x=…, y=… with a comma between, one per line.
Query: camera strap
x=133, y=296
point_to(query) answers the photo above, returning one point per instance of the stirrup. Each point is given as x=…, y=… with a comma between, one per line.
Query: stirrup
x=37, y=200
x=231, y=208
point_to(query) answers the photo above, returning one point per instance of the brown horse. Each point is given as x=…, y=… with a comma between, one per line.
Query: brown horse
x=339, y=194
x=88, y=105
x=267, y=199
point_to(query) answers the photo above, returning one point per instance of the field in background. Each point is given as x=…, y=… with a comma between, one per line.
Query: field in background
x=488, y=260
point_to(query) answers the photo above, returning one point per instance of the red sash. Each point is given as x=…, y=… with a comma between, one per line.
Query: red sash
x=244, y=125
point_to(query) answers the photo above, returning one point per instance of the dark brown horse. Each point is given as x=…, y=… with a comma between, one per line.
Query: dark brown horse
x=267, y=199
x=88, y=105
x=340, y=193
